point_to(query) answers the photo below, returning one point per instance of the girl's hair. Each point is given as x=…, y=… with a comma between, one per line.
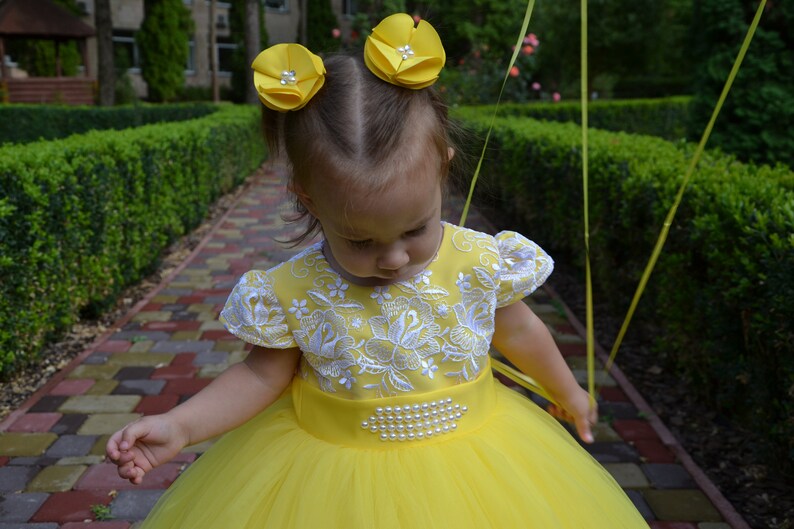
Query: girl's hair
x=354, y=128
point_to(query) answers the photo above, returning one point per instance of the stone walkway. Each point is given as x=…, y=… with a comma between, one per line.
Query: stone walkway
x=52, y=468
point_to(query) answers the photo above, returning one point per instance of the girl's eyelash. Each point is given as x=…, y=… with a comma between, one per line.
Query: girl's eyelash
x=417, y=231
x=359, y=244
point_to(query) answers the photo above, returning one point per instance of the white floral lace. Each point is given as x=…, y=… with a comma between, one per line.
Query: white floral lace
x=386, y=340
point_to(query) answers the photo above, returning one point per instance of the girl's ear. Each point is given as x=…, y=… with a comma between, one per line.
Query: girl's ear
x=450, y=153
x=304, y=198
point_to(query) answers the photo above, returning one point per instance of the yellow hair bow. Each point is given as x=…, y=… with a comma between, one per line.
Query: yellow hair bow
x=402, y=54
x=287, y=76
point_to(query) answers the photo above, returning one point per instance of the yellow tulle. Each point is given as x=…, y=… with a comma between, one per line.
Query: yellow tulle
x=517, y=469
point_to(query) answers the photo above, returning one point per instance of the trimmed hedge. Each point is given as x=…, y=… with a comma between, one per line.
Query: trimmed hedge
x=723, y=288
x=667, y=118
x=84, y=217
x=20, y=123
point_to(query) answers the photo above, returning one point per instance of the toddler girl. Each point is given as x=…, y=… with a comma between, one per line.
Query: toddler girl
x=368, y=400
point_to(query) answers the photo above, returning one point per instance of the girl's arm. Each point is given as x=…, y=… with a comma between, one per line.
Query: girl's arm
x=231, y=399
x=524, y=340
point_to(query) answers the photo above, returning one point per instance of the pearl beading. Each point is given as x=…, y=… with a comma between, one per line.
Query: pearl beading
x=415, y=422
x=288, y=77
x=405, y=52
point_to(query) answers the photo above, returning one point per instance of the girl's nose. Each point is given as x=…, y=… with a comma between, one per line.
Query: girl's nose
x=394, y=258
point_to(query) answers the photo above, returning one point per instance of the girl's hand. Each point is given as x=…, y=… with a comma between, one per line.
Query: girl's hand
x=144, y=444
x=577, y=410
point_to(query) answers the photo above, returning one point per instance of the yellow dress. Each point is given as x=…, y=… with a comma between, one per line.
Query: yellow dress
x=394, y=419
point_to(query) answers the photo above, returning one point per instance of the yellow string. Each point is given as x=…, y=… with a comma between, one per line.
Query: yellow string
x=585, y=186
x=695, y=159
x=524, y=26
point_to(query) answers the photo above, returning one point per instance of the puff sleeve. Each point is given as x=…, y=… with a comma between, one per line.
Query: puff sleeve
x=524, y=266
x=253, y=313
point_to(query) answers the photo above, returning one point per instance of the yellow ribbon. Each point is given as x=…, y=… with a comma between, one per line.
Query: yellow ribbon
x=404, y=55
x=287, y=76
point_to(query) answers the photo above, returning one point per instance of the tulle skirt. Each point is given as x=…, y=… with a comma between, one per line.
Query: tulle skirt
x=487, y=457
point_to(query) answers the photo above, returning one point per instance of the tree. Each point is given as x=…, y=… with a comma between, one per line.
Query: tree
x=755, y=121
x=163, y=44
x=216, y=90
x=104, y=33
x=320, y=21
x=248, y=32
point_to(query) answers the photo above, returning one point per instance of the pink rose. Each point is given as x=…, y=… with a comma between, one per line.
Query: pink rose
x=417, y=18
x=532, y=40
x=527, y=50
x=336, y=33
x=556, y=96
x=535, y=86
x=514, y=71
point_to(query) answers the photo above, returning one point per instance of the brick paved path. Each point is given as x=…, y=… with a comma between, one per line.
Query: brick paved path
x=52, y=469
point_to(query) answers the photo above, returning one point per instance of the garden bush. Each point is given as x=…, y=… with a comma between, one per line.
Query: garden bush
x=26, y=123
x=722, y=293
x=667, y=118
x=83, y=217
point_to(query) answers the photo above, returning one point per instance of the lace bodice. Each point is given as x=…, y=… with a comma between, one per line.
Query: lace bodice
x=427, y=332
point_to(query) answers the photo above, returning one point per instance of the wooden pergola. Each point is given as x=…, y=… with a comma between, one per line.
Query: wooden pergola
x=46, y=20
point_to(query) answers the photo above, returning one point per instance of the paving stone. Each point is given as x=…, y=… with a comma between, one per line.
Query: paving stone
x=172, y=326
x=613, y=453
x=106, y=423
x=71, y=446
x=628, y=475
x=134, y=505
x=97, y=525
x=96, y=358
x=97, y=372
x=197, y=346
x=72, y=386
x=142, y=347
x=164, y=297
x=47, y=403
x=14, y=478
x=713, y=525
x=174, y=307
x=154, y=404
x=99, y=447
x=114, y=346
x=25, y=444
x=642, y=506
x=601, y=378
x=632, y=430
x=668, y=476
x=603, y=433
x=20, y=507
x=70, y=423
x=81, y=460
x=185, y=316
x=71, y=506
x=214, y=325
x=3, y=461
x=100, y=404
x=154, y=315
x=212, y=370
x=141, y=359
x=613, y=395
x=103, y=387
x=56, y=478
x=143, y=335
x=580, y=362
x=174, y=371
x=105, y=477
x=41, y=461
x=35, y=422
x=687, y=505
x=186, y=336
x=28, y=525
x=134, y=373
x=211, y=357
x=617, y=410
x=139, y=387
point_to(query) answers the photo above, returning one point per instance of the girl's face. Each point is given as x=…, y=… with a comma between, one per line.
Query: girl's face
x=381, y=238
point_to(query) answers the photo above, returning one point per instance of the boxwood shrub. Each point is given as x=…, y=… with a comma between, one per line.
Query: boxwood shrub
x=665, y=117
x=722, y=292
x=83, y=217
x=21, y=123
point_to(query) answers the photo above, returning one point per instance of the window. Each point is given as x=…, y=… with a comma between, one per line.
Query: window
x=190, y=67
x=125, y=50
x=277, y=5
x=225, y=50
x=349, y=7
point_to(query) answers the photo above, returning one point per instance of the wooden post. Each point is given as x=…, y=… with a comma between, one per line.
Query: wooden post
x=84, y=54
x=3, y=72
x=58, y=58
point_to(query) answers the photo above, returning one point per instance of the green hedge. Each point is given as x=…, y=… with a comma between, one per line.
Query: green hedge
x=26, y=123
x=83, y=217
x=667, y=117
x=723, y=289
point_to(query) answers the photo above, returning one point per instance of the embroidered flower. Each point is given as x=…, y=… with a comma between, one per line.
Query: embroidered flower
x=475, y=322
x=338, y=289
x=442, y=309
x=423, y=277
x=347, y=379
x=298, y=308
x=463, y=282
x=429, y=367
x=403, y=54
x=381, y=294
x=404, y=333
x=325, y=343
x=356, y=322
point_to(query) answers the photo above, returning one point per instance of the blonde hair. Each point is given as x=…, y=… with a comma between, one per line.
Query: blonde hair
x=353, y=129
